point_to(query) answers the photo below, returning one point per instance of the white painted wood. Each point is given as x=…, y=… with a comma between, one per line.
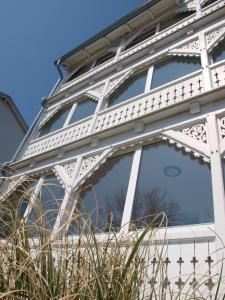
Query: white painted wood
x=131, y=191
x=217, y=180
x=207, y=80
x=73, y=108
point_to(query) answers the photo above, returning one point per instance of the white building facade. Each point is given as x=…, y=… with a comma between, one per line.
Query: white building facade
x=137, y=127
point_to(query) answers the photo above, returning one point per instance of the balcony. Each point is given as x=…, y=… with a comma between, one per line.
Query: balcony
x=167, y=96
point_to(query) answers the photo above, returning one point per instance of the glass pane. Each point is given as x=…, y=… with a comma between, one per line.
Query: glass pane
x=166, y=184
x=56, y=122
x=104, y=58
x=13, y=209
x=85, y=108
x=130, y=88
x=103, y=197
x=145, y=35
x=47, y=205
x=218, y=52
x=80, y=71
x=173, y=69
x=167, y=23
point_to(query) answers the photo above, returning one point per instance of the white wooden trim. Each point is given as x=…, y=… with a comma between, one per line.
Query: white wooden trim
x=217, y=181
x=127, y=212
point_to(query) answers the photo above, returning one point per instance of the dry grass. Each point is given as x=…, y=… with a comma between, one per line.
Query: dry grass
x=85, y=267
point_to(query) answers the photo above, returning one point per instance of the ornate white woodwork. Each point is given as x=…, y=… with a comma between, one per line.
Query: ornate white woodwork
x=198, y=132
x=115, y=83
x=214, y=37
x=189, y=49
x=218, y=74
x=87, y=163
x=70, y=167
x=192, y=139
x=61, y=138
x=90, y=164
x=157, y=99
x=10, y=186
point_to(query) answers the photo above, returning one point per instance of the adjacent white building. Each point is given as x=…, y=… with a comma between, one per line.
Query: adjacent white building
x=138, y=127
x=12, y=128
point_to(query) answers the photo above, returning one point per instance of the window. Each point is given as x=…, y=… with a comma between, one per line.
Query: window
x=171, y=21
x=56, y=122
x=102, y=197
x=141, y=37
x=166, y=184
x=174, y=68
x=208, y=2
x=46, y=207
x=131, y=87
x=218, y=52
x=104, y=58
x=85, y=108
x=80, y=71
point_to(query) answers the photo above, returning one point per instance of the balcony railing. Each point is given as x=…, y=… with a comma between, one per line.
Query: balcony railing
x=165, y=96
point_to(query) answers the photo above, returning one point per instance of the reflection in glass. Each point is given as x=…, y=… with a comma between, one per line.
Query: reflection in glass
x=218, y=52
x=56, y=122
x=174, y=68
x=130, y=88
x=13, y=209
x=102, y=197
x=174, y=183
x=85, y=108
x=47, y=205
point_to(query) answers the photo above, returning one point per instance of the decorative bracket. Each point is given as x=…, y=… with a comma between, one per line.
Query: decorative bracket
x=191, y=48
x=89, y=165
x=214, y=37
x=115, y=83
x=221, y=126
x=192, y=139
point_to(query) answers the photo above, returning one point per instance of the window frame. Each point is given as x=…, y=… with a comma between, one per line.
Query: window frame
x=69, y=116
x=130, y=196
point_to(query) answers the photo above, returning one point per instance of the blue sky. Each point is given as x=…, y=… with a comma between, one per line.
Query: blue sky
x=34, y=33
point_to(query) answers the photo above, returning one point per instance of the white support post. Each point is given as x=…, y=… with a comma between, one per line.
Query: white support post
x=127, y=212
x=66, y=208
x=217, y=183
x=33, y=199
x=99, y=106
x=207, y=80
x=70, y=115
x=149, y=79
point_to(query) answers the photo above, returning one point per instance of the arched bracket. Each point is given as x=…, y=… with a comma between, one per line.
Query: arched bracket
x=115, y=83
x=89, y=165
x=214, y=37
x=188, y=142
x=190, y=48
x=62, y=176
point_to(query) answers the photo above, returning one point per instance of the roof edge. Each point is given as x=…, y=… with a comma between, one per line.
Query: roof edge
x=15, y=110
x=107, y=30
